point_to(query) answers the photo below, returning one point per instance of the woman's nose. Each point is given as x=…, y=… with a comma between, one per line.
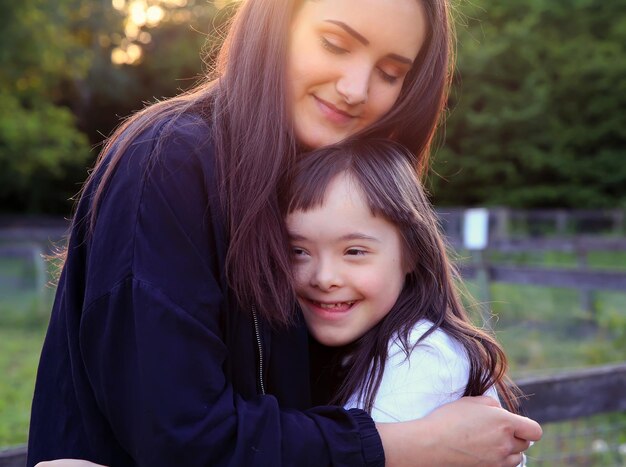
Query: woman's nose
x=353, y=84
x=326, y=275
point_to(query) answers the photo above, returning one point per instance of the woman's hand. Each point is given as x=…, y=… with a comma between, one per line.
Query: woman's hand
x=470, y=431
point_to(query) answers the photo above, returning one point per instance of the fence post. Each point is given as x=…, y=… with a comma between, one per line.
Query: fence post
x=41, y=278
x=484, y=282
x=501, y=217
x=586, y=294
x=476, y=239
x=561, y=222
x=618, y=222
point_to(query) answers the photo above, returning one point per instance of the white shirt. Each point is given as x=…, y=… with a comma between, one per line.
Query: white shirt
x=435, y=373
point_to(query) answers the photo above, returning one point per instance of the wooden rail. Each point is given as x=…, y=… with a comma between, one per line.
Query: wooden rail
x=581, y=277
x=13, y=457
x=551, y=277
x=575, y=394
x=506, y=222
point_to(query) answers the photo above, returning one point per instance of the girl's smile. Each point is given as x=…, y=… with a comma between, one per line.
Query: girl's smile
x=330, y=311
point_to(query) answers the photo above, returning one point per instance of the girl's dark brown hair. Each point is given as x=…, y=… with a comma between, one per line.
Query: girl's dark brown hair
x=383, y=171
x=243, y=98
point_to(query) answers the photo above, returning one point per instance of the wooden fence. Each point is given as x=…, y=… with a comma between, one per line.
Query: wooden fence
x=506, y=223
x=575, y=394
x=582, y=277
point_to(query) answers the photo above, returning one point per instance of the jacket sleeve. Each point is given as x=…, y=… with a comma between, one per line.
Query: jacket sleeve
x=151, y=341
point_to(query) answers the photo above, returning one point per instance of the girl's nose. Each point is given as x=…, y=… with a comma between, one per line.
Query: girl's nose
x=326, y=275
x=353, y=85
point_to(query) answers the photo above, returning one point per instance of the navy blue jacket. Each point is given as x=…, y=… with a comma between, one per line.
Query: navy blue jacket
x=148, y=362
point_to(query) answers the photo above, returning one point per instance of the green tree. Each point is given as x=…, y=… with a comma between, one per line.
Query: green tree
x=537, y=108
x=170, y=62
x=39, y=54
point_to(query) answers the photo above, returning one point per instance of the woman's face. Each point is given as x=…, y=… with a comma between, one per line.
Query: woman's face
x=347, y=61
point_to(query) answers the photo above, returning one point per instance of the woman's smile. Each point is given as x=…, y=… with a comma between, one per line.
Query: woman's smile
x=334, y=114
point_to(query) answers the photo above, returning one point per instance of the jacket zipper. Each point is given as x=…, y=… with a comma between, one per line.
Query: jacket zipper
x=260, y=348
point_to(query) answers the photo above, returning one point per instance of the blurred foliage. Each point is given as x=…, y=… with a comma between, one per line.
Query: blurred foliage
x=41, y=50
x=171, y=61
x=61, y=93
x=537, y=114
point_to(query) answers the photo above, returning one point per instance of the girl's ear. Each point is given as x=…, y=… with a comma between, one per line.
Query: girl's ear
x=408, y=260
x=407, y=267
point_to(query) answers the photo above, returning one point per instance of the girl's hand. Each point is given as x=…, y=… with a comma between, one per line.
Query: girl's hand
x=470, y=431
x=67, y=463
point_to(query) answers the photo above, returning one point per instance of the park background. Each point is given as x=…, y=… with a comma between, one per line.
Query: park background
x=535, y=131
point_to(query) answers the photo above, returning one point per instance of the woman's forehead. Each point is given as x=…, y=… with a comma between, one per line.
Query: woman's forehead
x=396, y=24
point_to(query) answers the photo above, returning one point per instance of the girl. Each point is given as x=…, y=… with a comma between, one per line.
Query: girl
x=173, y=338
x=373, y=277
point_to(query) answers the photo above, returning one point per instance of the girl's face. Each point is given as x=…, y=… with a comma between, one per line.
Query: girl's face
x=347, y=263
x=346, y=64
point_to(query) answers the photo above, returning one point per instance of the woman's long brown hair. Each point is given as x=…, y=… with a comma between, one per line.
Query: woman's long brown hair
x=383, y=172
x=243, y=99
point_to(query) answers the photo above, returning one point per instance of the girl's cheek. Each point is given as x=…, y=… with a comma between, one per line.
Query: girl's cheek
x=300, y=275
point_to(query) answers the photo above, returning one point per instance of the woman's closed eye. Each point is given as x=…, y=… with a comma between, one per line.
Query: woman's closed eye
x=332, y=48
x=391, y=79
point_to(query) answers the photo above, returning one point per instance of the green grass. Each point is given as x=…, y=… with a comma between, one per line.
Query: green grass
x=19, y=356
x=24, y=314
x=544, y=328
x=593, y=441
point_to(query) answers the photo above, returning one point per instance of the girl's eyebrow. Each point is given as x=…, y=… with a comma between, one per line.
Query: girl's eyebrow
x=359, y=236
x=296, y=237
x=347, y=237
x=359, y=37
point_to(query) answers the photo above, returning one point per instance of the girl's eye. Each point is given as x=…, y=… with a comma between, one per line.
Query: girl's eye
x=391, y=79
x=332, y=48
x=355, y=252
x=298, y=252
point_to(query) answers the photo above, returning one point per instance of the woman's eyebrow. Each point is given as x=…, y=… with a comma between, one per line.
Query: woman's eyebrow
x=400, y=58
x=359, y=37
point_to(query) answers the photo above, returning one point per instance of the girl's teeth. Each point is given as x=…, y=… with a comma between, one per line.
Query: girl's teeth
x=328, y=306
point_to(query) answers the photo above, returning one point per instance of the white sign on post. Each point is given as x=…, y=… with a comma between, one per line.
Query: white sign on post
x=476, y=228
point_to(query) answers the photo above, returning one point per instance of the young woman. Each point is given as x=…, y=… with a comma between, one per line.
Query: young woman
x=373, y=279
x=173, y=339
